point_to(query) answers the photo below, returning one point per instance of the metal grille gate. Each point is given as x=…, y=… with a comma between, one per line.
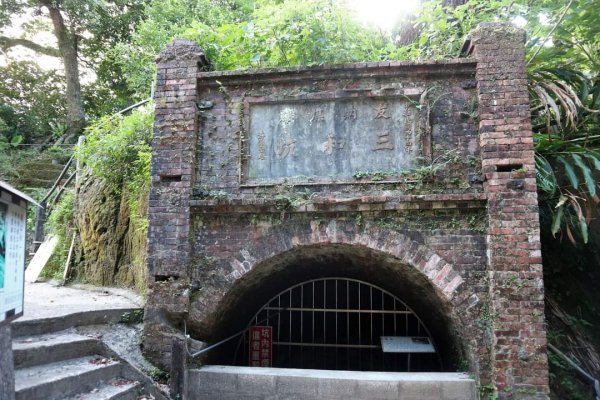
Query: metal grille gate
x=337, y=323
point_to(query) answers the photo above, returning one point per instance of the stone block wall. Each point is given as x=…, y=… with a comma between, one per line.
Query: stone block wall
x=452, y=227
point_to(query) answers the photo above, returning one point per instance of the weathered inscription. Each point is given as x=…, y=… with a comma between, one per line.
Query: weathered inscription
x=330, y=140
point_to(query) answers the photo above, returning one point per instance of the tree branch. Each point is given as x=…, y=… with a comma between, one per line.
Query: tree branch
x=550, y=33
x=7, y=43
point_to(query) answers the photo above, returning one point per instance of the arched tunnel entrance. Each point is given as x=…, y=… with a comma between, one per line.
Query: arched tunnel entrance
x=338, y=307
x=339, y=323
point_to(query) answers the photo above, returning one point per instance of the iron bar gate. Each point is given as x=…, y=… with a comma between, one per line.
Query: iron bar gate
x=337, y=323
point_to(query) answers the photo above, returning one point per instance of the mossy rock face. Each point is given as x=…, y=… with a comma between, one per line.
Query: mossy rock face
x=111, y=251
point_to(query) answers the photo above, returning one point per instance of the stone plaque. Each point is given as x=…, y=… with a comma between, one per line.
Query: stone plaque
x=330, y=140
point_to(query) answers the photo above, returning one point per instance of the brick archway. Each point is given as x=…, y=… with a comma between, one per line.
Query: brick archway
x=441, y=274
x=252, y=169
x=387, y=259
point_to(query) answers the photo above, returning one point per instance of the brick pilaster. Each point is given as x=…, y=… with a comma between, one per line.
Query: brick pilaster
x=173, y=158
x=519, y=364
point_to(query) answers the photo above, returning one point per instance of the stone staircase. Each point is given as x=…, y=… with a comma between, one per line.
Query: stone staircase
x=54, y=362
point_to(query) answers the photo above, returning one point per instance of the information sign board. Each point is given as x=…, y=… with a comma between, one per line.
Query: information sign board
x=261, y=346
x=13, y=221
x=406, y=344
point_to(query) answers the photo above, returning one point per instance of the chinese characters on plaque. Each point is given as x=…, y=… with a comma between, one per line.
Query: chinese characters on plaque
x=13, y=220
x=331, y=138
x=261, y=346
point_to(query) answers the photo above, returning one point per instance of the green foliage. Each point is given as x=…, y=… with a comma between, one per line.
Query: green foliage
x=60, y=224
x=163, y=21
x=117, y=148
x=237, y=36
x=134, y=317
x=564, y=380
x=8, y=8
x=157, y=374
x=567, y=122
x=564, y=88
x=375, y=176
x=10, y=161
x=93, y=28
x=108, y=21
x=5, y=142
x=575, y=44
x=137, y=187
x=62, y=213
x=443, y=28
x=488, y=392
x=31, y=100
x=301, y=33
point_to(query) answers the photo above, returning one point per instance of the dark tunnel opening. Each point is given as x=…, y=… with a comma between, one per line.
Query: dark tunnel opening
x=329, y=306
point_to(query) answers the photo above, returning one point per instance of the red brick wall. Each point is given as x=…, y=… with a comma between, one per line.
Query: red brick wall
x=460, y=244
x=519, y=363
x=174, y=157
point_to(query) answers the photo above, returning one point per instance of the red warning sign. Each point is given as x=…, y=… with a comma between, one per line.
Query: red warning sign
x=261, y=346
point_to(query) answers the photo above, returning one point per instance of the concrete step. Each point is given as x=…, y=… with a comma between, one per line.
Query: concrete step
x=25, y=327
x=44, y=349
x=64, y=378
x=114, y=389
x=229, y=383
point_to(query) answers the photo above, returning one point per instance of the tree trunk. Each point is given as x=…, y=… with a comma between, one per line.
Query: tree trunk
x=67, y=46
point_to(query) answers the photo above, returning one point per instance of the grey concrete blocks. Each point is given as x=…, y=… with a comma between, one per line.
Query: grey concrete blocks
x=224, y=382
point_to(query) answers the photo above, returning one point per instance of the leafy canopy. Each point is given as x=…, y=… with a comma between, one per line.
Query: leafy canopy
x=31, y=102
x=117, y=148
x=238, y=36
x=563, y=55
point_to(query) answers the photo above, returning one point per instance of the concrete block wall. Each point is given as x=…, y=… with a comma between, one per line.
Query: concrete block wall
x=268, y=383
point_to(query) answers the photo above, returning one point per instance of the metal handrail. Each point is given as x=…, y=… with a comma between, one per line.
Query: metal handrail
x=43, y=206
x=212, y=346
x=57, y=181
x=577, y=368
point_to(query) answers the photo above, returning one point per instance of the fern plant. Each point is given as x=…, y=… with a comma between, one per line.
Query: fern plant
x=566, y=117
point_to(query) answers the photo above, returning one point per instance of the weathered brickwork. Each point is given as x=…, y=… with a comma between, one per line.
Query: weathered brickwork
x=174, y=157
x=515, y=264
x=455, y=235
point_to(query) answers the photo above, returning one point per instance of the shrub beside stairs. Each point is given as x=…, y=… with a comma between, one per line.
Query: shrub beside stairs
x=52, y=362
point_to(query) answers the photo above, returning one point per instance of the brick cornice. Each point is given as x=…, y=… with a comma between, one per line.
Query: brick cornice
x=450, y=67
